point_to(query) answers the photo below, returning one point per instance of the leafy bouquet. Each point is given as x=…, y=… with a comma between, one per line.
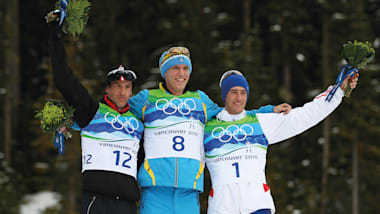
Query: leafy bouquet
x=75, y=14
x=358, y=55
x=54, y=116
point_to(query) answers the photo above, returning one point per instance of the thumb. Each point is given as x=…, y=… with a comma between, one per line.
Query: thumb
x=345, y=82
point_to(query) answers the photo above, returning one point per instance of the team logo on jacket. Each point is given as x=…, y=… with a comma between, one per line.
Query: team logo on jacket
x=130, y=124
x=238, y=133
x=174, y=105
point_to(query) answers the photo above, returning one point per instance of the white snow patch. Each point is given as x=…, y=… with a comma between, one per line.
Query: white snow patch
x=376, y=43
x=38, y=202
x=300, y=57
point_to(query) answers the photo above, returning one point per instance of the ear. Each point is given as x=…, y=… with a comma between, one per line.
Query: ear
x=107, y=89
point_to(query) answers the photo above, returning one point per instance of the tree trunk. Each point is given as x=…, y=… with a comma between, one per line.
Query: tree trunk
x=327, y=122
x=286, y=93
x=361, y=28
x=11, y=67
x=355, y=180
x=325, y=164
x=247, y=29
x=286, y=72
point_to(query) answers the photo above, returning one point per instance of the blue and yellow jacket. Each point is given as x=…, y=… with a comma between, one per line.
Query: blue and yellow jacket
x=173, y=136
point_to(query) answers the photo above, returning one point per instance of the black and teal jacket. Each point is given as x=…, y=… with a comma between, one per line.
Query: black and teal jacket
x=110, y=138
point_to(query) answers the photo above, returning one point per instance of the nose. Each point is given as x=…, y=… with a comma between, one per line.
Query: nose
x=240, y=96
x=181, y=71
x=123, y=91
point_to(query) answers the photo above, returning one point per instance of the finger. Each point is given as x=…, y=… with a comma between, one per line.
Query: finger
x=345, y=82
x=354, y=80
x=287, y=110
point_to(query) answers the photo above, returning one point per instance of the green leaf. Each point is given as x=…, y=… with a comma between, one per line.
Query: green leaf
x=77, y=17
x=358, y=54
x=54, y=115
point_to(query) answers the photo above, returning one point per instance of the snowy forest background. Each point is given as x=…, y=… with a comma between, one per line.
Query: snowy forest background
x=289, y=51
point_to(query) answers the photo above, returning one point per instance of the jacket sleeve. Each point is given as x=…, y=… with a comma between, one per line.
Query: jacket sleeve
x=212, y=109
x=137, y=103
x=264, y=109
x=65, y=81
x=278, y=127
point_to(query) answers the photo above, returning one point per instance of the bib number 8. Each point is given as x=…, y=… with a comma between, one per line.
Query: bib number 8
x=178, y=143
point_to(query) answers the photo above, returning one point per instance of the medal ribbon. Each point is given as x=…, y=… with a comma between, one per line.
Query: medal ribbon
x=346, y=71
x=63, y=11
x=59, y=142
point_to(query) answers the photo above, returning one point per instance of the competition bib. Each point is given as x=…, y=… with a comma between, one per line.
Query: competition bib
x=119, y=155
x=235, y=151
x=242, y=165
x=182, y=139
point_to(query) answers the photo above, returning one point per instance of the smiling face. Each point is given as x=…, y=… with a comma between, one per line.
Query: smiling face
x=236, y=99
x=119, y=92
x=176, y=78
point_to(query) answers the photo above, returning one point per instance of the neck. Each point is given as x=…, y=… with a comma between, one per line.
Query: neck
x=176, y=93
x=230, y=112
x=110, y=103
x=224, y=115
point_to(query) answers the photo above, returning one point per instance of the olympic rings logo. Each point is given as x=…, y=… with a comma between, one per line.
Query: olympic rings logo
x=232, y=131
x=175, y=104
x=130, y=125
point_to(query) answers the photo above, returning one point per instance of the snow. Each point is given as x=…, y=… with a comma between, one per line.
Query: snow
x=300, y=57
x=38, y=202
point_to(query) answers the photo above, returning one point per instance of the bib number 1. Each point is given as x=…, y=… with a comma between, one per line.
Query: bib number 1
x=236, y=164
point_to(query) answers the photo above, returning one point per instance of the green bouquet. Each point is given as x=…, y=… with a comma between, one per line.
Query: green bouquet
x=358, y=55
x=54, y=116
x=76, y=16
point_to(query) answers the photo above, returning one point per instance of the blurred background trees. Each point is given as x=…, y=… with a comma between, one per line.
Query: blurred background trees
x=288, y=50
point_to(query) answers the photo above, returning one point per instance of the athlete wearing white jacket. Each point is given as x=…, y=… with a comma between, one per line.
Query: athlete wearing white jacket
x=236, y=145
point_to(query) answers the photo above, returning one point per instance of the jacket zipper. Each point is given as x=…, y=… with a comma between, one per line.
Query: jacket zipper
x=91, y=203
x=176, y=172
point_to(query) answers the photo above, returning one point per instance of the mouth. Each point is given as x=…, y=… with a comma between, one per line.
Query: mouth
x=180, y=80
x=122, y=99
x=239, y=104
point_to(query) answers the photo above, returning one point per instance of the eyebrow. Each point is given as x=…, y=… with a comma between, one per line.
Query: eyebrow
x=237, y=90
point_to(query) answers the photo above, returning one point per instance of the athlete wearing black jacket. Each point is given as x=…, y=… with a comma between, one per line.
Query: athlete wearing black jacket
x=117, y=191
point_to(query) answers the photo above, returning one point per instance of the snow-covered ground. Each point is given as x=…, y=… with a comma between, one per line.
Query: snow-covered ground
x=37, y=203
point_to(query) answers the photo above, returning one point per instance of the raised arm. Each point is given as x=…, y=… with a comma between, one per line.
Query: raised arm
x=65, y=81
x=279, y=127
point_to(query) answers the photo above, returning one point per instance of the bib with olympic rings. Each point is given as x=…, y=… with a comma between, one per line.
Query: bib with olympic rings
x=163, y=106
x=110, y=141
x=174, y=125
x=235, y=151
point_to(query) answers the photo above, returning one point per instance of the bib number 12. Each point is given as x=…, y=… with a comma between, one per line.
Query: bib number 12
x=124, y=162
